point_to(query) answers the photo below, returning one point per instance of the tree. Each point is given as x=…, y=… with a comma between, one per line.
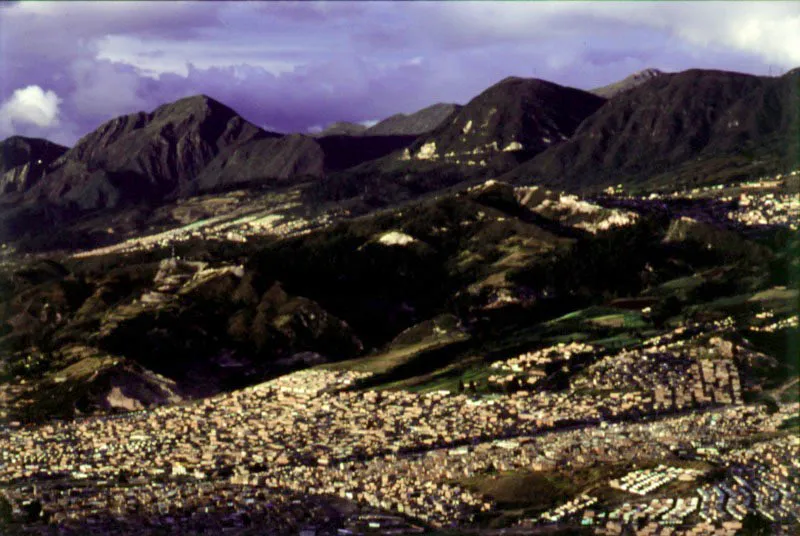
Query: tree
x=33, y=510
x=6, y=511
x=661, y=312
x=755, y=524
x=771, y=406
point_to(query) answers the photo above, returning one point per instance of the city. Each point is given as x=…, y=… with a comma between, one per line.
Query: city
x=386, y=268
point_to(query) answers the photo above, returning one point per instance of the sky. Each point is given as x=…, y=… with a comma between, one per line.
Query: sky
x=67, y=67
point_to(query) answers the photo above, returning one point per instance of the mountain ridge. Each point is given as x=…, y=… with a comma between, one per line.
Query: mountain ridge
x=667, y=122
x=412, y=124
x=525, y=130
x=503, y=126
x=342, y=128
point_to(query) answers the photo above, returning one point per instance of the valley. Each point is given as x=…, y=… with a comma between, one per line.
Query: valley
x=506, y=317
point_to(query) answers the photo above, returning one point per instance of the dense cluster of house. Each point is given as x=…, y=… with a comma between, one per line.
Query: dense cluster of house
x=766, y=183
x=748, y=486
x=767, y=208
x=9, y=392
x=271, y=225
x=675, y=379
x=656, y=515
x=569, y=508
x=306, y=435
x=530, y=367
x=673, y=371
x=645, y=481
x=183, y=506
x=758, y=479
x=769, y=324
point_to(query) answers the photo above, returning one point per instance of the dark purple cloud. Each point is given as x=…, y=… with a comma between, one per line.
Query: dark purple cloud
x=292, y=66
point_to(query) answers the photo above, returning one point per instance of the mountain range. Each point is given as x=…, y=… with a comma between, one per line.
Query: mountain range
x=185, y=251
x=515, y=315
x=679, y=127
x=660, y=129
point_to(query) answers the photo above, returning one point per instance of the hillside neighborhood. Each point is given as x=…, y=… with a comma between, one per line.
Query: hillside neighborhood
x=306, y=435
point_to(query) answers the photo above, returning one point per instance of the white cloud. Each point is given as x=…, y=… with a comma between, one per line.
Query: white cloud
x=369, y=123
x=104, y=90
x=30, y=105
x=296, y=64
x=154, y=57
x=769, y=30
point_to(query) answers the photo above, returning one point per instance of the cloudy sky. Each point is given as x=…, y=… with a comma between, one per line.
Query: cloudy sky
x=65, y=67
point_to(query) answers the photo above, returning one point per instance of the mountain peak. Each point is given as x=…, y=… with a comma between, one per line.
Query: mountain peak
x=147, y=155
x=512, y=120
x=13, y=140
x=18, y=140
x=629, y=82
x=533, y=82
x=201, y=99
x=509, y=79
x=202, y=104
x=648, y=73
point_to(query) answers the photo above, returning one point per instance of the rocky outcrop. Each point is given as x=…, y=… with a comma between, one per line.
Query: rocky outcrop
x=572, y=211
x=97, y=382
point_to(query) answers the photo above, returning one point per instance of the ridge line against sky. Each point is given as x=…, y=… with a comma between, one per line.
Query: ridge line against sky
x=298, y=66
